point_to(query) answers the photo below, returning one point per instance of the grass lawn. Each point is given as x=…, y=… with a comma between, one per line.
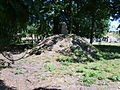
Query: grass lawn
x=107, y=69
x=91, y=72
x=106, y=43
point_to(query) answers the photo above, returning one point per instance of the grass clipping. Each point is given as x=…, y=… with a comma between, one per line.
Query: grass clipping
x=69, y=45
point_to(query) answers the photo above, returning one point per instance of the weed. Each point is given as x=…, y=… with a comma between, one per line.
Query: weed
x=62, y=68
x=95, y=68
x=79, y=53
x=88, y=80
x=66, y=63
x=72, y=48
x=115, y=77
x=49, y=67
x=69, y=72
x=91, y=73
x=19, y=72
x=68, y=59
x=109, y=69
x=101, y=77
x=89, y=60
x=80, y=69
x=109, y=55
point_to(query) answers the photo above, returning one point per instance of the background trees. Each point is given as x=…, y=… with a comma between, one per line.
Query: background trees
x=86, y=18
x=13, y=17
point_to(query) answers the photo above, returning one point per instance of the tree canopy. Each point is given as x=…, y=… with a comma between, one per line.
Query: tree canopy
x=86, y=18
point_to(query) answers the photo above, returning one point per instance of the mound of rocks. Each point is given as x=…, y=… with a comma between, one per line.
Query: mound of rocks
x=66, y=44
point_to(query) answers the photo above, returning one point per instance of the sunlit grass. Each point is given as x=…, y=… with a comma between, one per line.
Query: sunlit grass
x=106, y=43
x=90, y=72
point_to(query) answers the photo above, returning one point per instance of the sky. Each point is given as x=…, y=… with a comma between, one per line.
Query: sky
x=114, y=24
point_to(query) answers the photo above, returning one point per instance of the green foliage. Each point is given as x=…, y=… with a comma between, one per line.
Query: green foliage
x=85, y=18
x=18, y=72
x=91, y=73
x=50, y=67
x=11, y=21
x=65, y=61
x=108, y=55
x=68, y=59
x=109, y=69
x=115, y=77
x=99, y=71
x=81, y=69
x=79, y=53
x=90, y=76
x=69, y=72
x=88, y=80
x=101, y=77
x=95, y=67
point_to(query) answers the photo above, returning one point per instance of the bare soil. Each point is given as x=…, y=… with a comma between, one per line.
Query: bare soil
x=30, y=74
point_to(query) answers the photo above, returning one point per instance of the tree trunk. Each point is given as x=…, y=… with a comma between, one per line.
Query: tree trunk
x=71, y=22
x=92, y=30
x=56, y=25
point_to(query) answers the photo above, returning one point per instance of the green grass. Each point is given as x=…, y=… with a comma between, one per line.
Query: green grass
x=115, y=77
x=100, y=70
x=106, y=68
x=90, y=72
x=50, y=67
x=106, y=43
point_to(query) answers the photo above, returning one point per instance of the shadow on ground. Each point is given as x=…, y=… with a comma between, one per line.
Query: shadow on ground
x=109, y=52
x=108, y=48
x=4, y=64
x=4, y=87
x=41, y=88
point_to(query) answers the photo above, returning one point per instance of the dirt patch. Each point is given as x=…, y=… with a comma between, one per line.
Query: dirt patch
x=43, y=72
x=31, y=74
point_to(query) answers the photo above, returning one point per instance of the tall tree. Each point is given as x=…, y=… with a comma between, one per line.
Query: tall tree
x=11, y=21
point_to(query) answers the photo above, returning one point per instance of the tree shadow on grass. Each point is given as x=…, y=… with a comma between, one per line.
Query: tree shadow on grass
x=108, y=48
x=109, y=51
x=4, y=87
x=109, y=56
x=42, y=88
